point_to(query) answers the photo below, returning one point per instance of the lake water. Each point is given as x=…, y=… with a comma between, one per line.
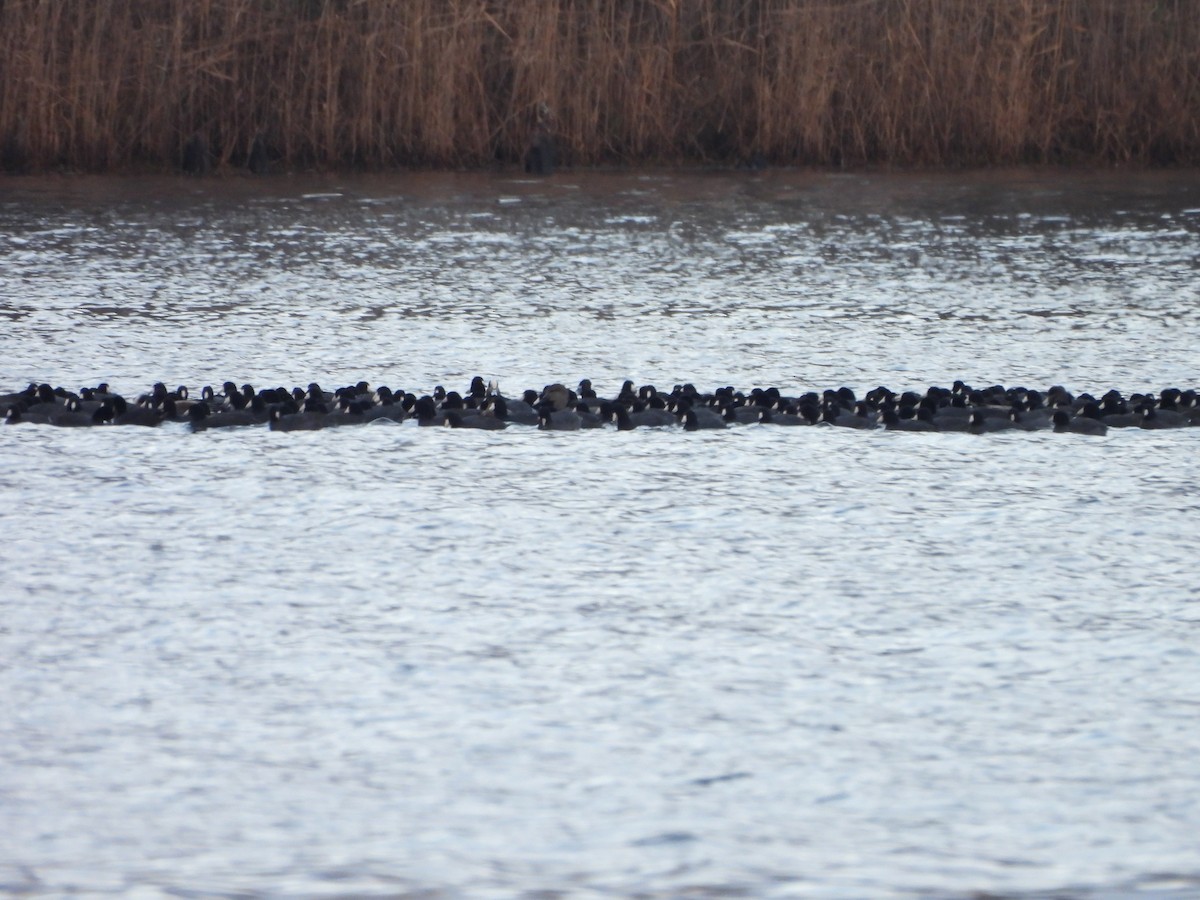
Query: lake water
x=765, y=662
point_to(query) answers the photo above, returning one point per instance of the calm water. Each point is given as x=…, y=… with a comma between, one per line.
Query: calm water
x=768, y=662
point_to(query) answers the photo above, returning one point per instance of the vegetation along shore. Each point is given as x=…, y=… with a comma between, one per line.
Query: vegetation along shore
x=375, y=84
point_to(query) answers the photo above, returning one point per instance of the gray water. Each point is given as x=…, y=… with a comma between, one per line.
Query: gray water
x=766, y=662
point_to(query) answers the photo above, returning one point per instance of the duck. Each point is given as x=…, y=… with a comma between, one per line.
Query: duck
x=550, y=419
x=558, y=396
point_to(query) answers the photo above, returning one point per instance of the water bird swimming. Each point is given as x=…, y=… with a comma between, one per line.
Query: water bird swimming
x=959, y=408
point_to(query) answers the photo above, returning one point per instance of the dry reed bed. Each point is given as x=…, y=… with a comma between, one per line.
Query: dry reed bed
x=381, y=83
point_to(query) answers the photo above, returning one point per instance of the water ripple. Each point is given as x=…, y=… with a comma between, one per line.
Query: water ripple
x=767, y=662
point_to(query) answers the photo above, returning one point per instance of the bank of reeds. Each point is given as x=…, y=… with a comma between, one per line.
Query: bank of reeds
x=382, y=83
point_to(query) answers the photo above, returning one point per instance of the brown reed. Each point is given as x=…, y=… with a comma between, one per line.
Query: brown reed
x=463, y=83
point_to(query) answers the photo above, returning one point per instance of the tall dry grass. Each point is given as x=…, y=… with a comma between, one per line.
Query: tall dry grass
x=381, y=83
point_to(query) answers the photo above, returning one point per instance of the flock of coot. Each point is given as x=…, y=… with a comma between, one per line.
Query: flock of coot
x=559, y=408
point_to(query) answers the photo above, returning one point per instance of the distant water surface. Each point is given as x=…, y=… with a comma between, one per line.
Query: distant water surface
x=391, y=661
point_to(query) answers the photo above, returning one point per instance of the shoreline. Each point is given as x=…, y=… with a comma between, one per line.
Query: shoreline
x=234, y=174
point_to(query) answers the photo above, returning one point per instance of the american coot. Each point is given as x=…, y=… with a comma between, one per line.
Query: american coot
x=788, y=417
x=202, y=418
x=701, y=418
x=516, y=412
x=1020, y=422
x=1161, y=418
x=72, y=415
x=138, y=414
x=482, y=420
x=646, y=418
x=296, y=420
x=1065, y=423
x=654, y=417
x=427, y=412
x=557, y=408
x=978, y=423
x=918, y=420
x=856, y=416
x=478, y=389
x=591, y=418
x=749, y=413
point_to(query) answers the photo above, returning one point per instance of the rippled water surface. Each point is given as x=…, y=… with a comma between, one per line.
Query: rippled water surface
x=767, y=662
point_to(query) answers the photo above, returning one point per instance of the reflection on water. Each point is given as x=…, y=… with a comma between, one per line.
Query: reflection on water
x=765, y=662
